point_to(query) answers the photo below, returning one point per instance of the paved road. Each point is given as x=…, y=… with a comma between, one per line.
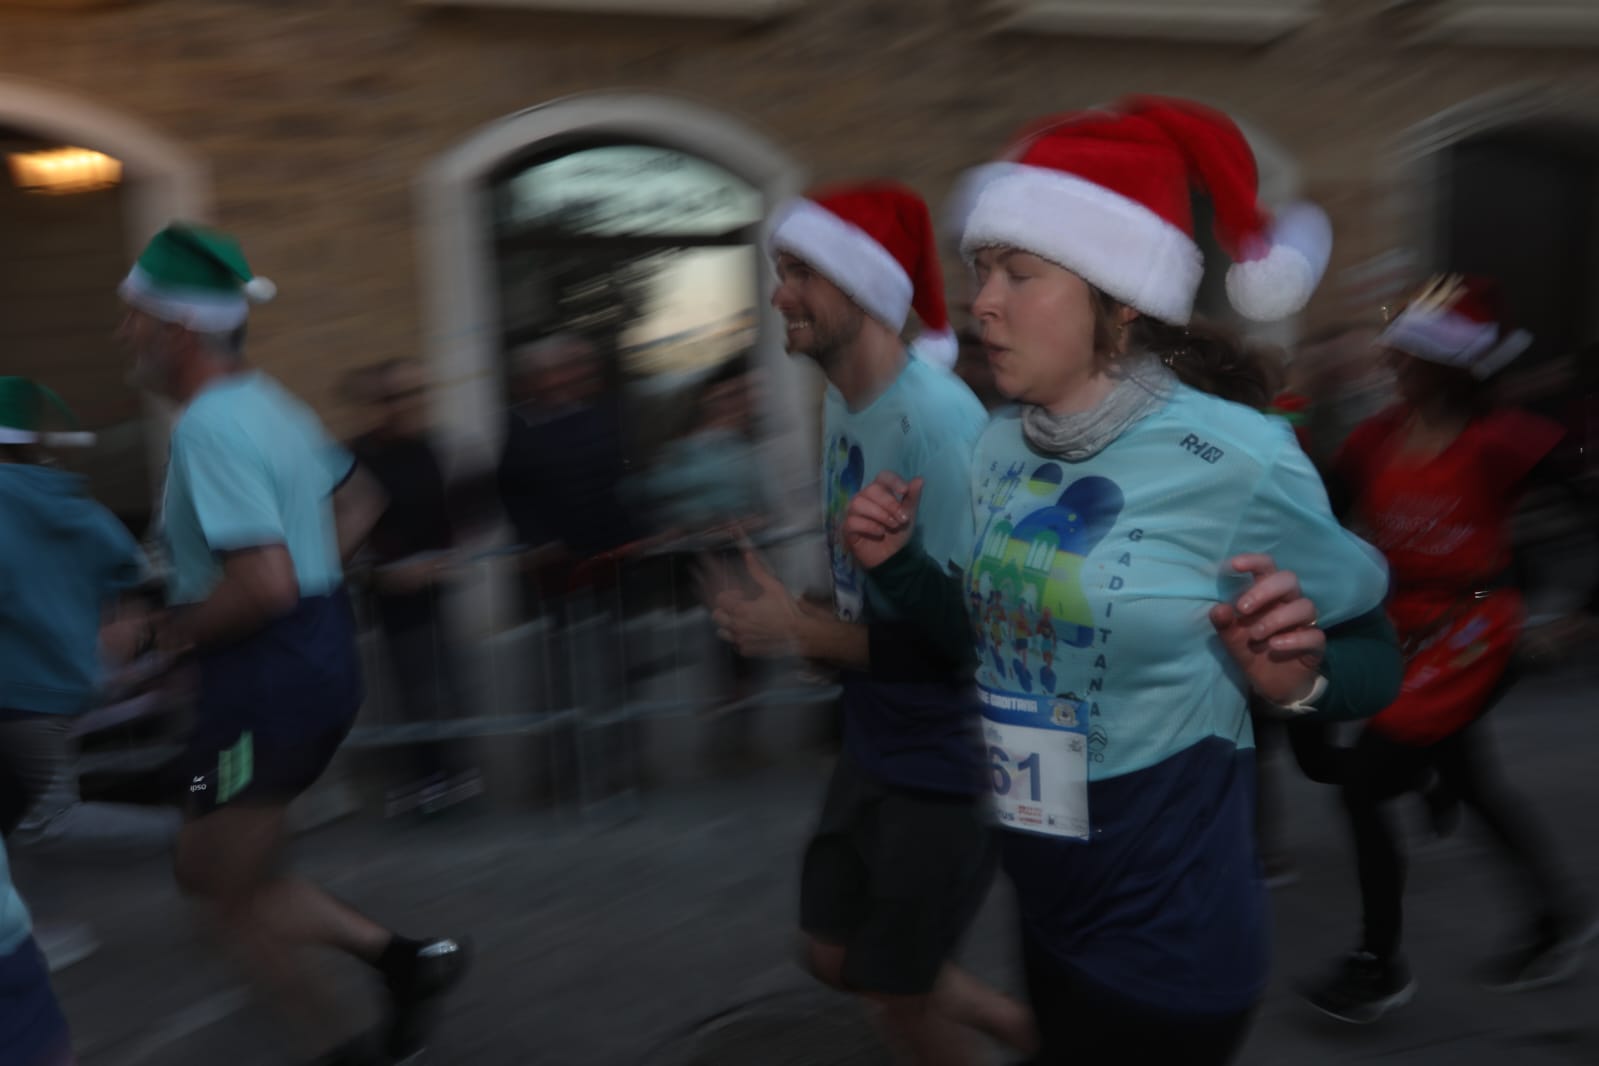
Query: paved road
x=601, y=945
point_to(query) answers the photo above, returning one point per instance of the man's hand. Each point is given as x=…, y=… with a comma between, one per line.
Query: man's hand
x=761, y=619
x=1271, y=631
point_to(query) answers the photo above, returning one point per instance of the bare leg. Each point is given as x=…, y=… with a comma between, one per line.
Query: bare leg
x=959, y=998
x=229, y=860
x=963, y=998
x=920, y=1034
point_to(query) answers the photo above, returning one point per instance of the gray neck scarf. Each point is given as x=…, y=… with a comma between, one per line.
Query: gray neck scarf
x=1143, y=384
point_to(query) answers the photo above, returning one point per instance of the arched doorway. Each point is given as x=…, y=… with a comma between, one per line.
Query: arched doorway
x=62, y=252
x=589, y=192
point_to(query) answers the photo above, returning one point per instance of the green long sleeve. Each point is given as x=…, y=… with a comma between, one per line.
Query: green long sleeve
x=928, y=595
x=1362, y=666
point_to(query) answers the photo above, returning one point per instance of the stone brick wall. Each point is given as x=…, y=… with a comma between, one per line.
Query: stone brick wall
x=315, y=116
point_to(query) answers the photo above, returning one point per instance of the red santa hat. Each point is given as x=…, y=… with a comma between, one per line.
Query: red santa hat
x=1105, y=194
x=875, y=241
x=1457, y=320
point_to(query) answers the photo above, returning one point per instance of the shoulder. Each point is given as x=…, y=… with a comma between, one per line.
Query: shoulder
x=1514, y=427
x=1003, y=431
x=1217, y=430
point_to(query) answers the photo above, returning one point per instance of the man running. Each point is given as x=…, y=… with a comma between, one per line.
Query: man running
x=260, y=510
x=903, y=855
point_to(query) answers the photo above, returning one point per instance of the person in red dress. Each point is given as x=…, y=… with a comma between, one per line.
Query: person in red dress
x=1432, y=482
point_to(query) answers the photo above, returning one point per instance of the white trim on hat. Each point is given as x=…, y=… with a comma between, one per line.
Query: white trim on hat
x=72, y=439
x=1112, y=242
x=848, y=256
x=201, y=310
x=1453, y=340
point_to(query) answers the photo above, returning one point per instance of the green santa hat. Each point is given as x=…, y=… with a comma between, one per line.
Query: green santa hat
x=197, y=278
x=24, y=405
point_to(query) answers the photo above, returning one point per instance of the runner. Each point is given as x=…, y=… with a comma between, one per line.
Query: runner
x=1434, y=481
x=65, y=562
x=1186, y=553
x=33, y=1031
x=260, y=510
x=902, y=857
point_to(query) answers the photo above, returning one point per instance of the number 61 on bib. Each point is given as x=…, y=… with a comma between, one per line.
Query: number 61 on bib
x=1037, y=763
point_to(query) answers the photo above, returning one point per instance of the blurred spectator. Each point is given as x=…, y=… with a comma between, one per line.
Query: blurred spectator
x=561, y=468
x=710, y=476
x=413, y=552
x=1344, y=381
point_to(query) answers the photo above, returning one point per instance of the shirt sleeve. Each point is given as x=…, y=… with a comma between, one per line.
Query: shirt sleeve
x=944, y=519
x=230, y=486
x=338, y=462
x=1288, y=517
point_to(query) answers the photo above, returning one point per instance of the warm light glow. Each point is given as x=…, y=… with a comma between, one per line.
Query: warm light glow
x=64, y=170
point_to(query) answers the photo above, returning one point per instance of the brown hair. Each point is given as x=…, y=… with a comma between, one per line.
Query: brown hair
x=1203, y=355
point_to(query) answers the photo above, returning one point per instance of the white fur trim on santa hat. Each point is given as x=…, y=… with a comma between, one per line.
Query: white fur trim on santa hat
x=1280, y=284
x=1454, y=340
x=74, y=439
x=197, y=309
x=849, y=258
x=939, y=348
x=1112, y=242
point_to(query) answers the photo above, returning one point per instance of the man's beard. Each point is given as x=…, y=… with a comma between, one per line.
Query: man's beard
x=829, y=345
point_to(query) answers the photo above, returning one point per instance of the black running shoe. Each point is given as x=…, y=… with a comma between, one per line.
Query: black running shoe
x=414, y=992
x=1362, y=988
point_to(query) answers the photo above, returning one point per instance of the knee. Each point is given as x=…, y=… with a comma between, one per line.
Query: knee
x=900, y=1014
x=825, y=961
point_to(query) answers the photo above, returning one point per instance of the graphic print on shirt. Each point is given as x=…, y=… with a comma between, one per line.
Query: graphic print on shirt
x=1024, y=585
x=841, y=479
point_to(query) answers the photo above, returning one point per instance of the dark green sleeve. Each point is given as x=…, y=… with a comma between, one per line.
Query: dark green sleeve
x=1362, y=667
x=927, y=594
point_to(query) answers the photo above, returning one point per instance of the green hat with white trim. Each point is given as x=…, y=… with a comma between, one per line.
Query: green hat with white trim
x=195, y=277
x=24, y=408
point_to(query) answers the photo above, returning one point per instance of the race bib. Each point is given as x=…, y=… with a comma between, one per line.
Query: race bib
x=1037, y=762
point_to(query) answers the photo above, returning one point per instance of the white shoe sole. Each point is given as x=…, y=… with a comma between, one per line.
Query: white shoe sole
x=1393, y=1002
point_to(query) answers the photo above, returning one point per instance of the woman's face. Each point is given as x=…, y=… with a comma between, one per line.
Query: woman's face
x=1416, y=380
x=1038, y=324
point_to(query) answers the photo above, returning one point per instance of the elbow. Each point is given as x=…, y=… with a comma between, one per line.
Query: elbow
x=275, y=585
x=278, y=598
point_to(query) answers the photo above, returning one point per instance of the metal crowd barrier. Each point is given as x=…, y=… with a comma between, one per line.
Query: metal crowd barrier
x=578, y=676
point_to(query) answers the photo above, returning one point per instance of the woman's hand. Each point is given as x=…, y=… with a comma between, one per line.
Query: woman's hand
x=1271, y=632
x=881, y=518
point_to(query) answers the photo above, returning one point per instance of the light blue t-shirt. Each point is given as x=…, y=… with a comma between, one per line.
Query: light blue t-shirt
x=923, y=425
x=14, y=923
x=1089, y=589
x=1094, y=579
x=913, y=733
x=251, y=466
